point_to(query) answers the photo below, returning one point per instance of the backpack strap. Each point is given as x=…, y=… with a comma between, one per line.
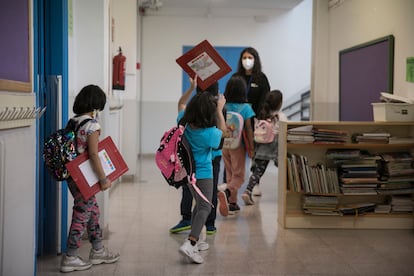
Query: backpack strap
x=82, y=123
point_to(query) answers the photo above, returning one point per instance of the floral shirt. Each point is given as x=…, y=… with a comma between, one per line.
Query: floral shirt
x=85, y=130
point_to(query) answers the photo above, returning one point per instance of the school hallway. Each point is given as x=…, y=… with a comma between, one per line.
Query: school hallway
x=249, y=243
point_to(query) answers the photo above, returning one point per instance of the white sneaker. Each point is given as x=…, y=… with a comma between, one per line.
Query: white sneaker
x=202, y=245
x=103, y=256
x=72, y=263
x=191, y=252
x=256, y=191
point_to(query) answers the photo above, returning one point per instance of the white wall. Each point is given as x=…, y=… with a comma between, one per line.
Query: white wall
x=353, y=23
x=283, y=42
x=89, y=63
x=17, y=200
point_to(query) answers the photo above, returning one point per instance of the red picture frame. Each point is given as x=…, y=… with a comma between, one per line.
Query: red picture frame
x=83, y=175
x=204, y=61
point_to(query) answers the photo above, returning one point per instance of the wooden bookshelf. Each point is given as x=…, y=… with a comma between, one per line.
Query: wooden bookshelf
x=290, y=212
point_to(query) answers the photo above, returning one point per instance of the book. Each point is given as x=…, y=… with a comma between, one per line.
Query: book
x=391, y=98
x=82, y=173
x=205, y=62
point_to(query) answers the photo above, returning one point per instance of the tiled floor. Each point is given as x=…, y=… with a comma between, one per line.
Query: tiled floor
x=250, y=243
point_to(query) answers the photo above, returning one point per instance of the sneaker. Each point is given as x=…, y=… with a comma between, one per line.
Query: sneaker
x=247, y=198
x=210, y=230
x=191, y=252
x=256, y=191
x=103, y=256
x=72, y=263
x=183, y=225
x=223, y=204
x=202, y=246
x=234, y=208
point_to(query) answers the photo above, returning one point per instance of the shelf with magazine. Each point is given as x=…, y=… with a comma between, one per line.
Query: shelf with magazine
x=337, y=176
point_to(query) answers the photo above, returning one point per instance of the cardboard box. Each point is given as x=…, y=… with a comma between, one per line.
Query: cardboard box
x=393, y=112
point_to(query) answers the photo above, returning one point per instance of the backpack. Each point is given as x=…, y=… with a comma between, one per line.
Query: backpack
x=60, y=148
x=234, y=123
x=174, y=158
x=264, y=131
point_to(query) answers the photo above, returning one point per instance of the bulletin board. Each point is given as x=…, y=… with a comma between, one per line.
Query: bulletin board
x=15, y=46
x=365, y=71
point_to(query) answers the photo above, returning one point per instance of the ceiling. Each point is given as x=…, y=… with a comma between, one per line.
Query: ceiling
x=216, y=7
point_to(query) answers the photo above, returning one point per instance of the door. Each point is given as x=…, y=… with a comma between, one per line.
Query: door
x=50, y=75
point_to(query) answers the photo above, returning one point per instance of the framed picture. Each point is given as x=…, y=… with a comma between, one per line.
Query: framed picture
x=205, y=62
x=15, y=65
x=365, y=71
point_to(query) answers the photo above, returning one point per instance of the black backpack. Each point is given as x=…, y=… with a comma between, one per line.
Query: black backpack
x=60, y=148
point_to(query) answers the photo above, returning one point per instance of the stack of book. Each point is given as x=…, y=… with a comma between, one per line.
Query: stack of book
x=371, y=138
x=401, y=140
x=357, y=209
x=300, y=135
x=397, y=164
x=321, y=205
x=397, y=173
x=330, y=136
x=402, y=203
x=358, y=171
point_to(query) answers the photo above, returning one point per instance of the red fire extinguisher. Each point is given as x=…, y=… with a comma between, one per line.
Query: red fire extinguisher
x=118, y=74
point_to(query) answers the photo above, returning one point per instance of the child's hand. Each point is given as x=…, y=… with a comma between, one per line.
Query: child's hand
x=221, y=102
x=193, y=82
x=106, y=185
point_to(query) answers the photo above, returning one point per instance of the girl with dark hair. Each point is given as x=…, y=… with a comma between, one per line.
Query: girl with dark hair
x=186, y=203
x=265, y=152
x=205, y=127
x=234, y=159
x=88, y=103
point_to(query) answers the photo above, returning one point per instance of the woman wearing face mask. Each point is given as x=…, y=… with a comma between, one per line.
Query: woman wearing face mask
x=250, y=68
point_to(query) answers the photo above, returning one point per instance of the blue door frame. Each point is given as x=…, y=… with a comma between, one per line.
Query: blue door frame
x=50, y=38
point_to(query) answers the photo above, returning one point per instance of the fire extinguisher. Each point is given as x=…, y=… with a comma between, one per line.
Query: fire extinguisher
x=118, y=74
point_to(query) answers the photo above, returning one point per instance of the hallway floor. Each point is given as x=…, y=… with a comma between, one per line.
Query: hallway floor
x=249, y=243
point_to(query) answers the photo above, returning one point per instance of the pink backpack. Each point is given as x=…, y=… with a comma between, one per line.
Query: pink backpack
x=264, y=131
x=175, y=159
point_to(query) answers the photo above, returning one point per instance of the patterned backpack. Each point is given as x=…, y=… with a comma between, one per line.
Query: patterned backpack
x=234, y=123
x=60, y=148
x=174, y=158
x=265, y=131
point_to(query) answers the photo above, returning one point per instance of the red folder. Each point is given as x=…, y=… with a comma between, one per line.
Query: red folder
x=83, y=175
x=206, y=62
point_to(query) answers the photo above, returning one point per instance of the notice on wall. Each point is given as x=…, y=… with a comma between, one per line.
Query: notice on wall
x=410, y=69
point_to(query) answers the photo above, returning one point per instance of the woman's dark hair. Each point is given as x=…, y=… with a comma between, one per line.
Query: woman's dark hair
x=257, y=67
x=273, y=102
x=236, y=90
x=90, y=98
x=201, y=111
x=212, y=89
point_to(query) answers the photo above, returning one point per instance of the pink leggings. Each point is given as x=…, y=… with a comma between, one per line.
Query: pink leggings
x=234, y=163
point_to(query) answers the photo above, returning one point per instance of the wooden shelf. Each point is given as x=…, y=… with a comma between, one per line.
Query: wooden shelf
x=290, y=213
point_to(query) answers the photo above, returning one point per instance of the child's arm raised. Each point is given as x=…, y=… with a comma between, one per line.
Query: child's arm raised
x=221, y=123
x=93, y=141
x=184, y=98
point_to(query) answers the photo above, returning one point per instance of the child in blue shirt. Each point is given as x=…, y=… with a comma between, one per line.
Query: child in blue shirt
x=234, y=159
x=205, y=127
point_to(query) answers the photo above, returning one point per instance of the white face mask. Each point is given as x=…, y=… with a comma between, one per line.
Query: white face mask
x=248, y=63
